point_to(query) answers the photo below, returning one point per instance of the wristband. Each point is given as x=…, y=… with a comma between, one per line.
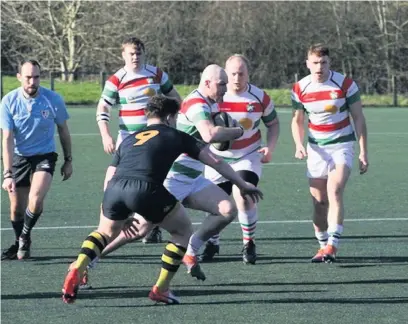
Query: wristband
x=68, y=158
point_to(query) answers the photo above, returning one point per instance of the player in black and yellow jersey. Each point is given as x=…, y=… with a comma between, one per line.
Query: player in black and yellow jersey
x=134, y=184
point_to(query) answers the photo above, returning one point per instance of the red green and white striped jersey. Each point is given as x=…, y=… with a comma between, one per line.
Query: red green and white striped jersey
x=249, y=108
x=130, y=91
x=327, y=105
x=194, y=108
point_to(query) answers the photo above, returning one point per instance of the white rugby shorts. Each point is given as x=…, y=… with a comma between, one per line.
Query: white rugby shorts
x=323, y=159
x=250, y=162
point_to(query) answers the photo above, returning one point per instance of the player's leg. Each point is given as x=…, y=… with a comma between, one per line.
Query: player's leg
x=212, y=246
x=248, y=217
x=141, y=228
x=43, y=169
x=91, y=248
x=113, y=215
x=18, y=202
x=221, y=208
x=317, y=169
x=340, y=169
x=180, y=228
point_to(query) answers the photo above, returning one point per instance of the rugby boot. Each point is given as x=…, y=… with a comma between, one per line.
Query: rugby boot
x=166, y=297
x=319, y=257
x=249, y=252
x=155, y=236
x=209, y=252
x=193, y=267
x=10, y=253
x=329, y=253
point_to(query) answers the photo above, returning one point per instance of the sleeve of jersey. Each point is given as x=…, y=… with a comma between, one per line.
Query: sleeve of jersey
x=191, y=146
x=165, y=84
x=110, y=91
x=7, y=122
x=353, y=93
x=60, y=110
x=269, y=112
x=296, y=103
x=198, y=112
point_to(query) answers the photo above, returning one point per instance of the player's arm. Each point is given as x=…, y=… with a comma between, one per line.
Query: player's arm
x=213, y=134
x=65, y=139
x=201, y=152
x=7, y=126
x=167, y=88
x=271, y=121
x=8, y=149
x=298, y=127
x=112, y=168
x=108, y=98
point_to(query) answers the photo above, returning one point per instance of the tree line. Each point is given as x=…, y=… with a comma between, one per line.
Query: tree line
x=368, y=40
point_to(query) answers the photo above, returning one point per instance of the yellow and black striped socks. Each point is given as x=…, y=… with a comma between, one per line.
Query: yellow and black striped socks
x=91, y=248
x=171, y=260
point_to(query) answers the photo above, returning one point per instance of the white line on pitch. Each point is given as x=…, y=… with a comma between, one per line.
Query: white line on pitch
x=301, y=221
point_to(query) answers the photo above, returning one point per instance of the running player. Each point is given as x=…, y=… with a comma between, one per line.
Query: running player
x=134, y=184
x=250, y=106
x=329, y=99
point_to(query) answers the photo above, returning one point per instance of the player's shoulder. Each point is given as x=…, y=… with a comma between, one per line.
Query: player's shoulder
x=194, y=98
x=338, y=77
x=51, y=95
x=155, y=70
x=11, y=96
x=302, y=83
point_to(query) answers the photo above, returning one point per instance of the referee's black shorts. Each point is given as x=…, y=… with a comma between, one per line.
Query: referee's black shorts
x=124, y=196
x=24, y=167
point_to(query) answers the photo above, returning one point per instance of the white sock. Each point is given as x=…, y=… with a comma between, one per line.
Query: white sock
x=194, y=245
x=322, y=237
x=335, y=232
x=248, y=220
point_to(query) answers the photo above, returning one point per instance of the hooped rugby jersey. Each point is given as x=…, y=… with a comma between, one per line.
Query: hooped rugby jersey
x=327, y=105
x=130, y=91
x=249, y=108
x=194, y=108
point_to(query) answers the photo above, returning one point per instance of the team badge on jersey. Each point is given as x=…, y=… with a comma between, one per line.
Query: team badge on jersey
x=150, y=80
x=250, y=108
x=333, y=95
x=45, y=113
x=330, y=109
x=150, y=92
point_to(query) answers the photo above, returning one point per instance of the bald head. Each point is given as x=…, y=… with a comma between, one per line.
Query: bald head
x=237, y=70
x=213, y=82
x=213, y=72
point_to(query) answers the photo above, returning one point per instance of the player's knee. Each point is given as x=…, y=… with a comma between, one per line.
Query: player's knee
x=335, y=194
x=35, y=203
x=228, y=210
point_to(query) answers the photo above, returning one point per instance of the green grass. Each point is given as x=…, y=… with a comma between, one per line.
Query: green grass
x=88, y=92
x=367, y=285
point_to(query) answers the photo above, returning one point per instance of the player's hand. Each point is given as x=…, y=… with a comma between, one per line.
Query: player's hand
x=66, y=170
x=300, y=152
x=266, y=154
x=108, y=144
x=9, y=185
x=363, y=163
x=253, y=192
x=131, y=228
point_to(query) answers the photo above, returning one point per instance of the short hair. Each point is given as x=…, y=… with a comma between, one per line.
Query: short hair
x=160, y=106
x=133, y=41
x=318, y=49
x=240, y=56
x=32, y=62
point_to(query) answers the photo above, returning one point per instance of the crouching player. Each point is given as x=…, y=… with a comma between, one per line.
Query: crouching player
x=134, y=184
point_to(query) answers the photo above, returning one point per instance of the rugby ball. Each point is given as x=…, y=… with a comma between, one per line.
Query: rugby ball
x=224, y=120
